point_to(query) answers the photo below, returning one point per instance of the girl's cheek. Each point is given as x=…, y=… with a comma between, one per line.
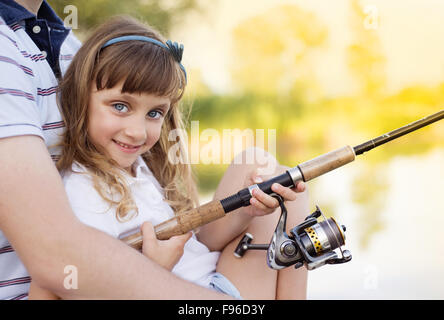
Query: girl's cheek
x=158, y=131
x=155, y=137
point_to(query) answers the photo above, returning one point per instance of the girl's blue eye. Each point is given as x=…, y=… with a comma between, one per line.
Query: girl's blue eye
x=152, y=114
x=120, y=107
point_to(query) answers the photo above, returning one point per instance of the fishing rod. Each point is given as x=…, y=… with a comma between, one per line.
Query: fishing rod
x=311, y=243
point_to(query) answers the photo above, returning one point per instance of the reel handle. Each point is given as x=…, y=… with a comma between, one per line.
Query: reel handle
x=245, y=244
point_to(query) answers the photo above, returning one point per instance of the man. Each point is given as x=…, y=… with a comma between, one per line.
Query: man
x=37, y=225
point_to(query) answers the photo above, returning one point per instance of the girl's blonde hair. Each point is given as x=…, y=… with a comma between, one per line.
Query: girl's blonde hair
x=142, y=67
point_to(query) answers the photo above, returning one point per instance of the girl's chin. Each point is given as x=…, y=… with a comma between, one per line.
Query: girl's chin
x=126, y=163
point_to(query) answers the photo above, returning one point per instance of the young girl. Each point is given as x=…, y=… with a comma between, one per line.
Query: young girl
x=120, y=100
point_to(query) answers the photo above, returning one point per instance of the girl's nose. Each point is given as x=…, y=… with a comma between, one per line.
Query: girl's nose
x=136, y=130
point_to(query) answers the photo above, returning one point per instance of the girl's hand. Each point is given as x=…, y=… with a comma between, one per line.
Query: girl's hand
x=164, y=252
x=262, y=203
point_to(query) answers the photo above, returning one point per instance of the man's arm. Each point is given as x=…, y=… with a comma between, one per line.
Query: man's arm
x=36, y=218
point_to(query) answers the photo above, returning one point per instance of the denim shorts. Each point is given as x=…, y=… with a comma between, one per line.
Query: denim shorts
x=220, y=283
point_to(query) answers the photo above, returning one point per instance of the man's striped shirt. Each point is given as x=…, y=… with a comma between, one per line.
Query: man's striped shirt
x=27, y=107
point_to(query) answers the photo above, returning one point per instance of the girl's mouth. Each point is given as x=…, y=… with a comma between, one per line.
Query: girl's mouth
x=127, y=147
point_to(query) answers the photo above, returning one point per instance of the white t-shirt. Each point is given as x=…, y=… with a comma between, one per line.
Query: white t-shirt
x=197, y=264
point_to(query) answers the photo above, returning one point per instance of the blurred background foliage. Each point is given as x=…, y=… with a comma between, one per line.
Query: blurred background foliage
x=162, y=14
x=274, y=86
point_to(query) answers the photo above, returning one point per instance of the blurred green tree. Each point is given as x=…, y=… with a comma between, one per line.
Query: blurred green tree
x=272, y=51
x=375, y=110
x=161, y=14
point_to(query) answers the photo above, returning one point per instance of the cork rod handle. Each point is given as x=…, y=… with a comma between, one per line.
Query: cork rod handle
x=327, y=162
x=181, y=224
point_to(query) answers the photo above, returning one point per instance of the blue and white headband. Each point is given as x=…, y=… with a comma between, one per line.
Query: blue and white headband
x=175, y=49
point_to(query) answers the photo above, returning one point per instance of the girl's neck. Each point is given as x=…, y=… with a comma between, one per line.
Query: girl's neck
x=131, y=171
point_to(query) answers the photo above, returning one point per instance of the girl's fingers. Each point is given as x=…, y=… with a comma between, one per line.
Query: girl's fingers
x=286, y=193
x=183, y=238
x=300, y=186
x=267, y=200
x=259, y=205
x=148, y=232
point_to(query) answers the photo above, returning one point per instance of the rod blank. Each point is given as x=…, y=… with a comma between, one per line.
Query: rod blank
x=389, y=136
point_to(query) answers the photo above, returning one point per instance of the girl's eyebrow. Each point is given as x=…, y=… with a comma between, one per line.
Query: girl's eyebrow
x=127, y=97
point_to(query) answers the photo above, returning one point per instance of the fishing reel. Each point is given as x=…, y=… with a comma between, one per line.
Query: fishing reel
x=311, y=243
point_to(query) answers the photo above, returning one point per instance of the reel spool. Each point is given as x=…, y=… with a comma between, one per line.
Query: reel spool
x=311, y=243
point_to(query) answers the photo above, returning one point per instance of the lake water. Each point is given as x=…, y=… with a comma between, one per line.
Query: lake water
x=406, y=259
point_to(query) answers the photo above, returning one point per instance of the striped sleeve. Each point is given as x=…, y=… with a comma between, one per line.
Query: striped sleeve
x=19, y=114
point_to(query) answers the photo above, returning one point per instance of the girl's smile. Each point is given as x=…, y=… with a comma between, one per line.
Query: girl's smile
x=123, y=126
x=127, y=147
